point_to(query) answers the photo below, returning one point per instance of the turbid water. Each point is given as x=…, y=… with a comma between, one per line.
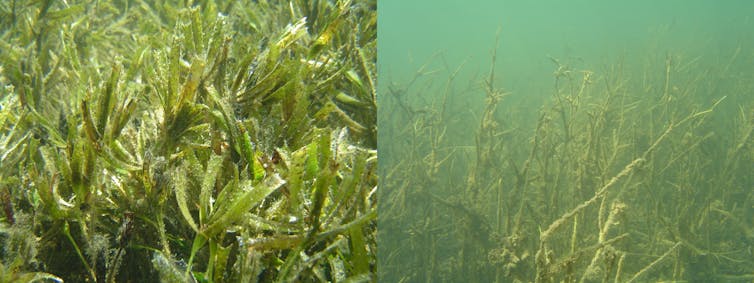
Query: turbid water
x=612, y=146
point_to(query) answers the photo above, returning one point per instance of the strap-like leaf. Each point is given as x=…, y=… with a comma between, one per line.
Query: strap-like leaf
x=250, y=198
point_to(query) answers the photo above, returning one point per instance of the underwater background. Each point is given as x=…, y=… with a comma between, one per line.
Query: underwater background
x=567, y=141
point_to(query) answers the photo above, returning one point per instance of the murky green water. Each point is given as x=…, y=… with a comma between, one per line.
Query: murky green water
x=612, y=142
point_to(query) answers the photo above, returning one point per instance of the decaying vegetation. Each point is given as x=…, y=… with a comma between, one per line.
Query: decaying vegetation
x=187, y=141
x=634, y=173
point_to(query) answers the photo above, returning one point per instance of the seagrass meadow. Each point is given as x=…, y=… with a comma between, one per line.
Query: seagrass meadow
x=533, y=162
x=188, y=141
